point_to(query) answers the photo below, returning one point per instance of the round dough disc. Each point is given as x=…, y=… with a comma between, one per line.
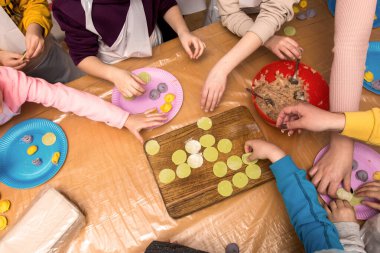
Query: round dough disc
x=253, y=171
x=145, y=77
x=49, y=139
x=183, y=170
x=195, y=161
x=240, y=180
x=225, y=188
x=204, y=123
x=152, y=147
x=4, y=205
x=193, y=147
x=210, y=154
x=207, y=140
x=234, y=162
x=225, y=146
x=244, y=158
x=179, y=157
x=220, y=169
x=166, y=176
x=344, y=195
x=3, y=222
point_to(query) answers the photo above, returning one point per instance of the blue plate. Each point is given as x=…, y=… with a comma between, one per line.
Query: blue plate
x=376, y=23
x=16, y=168
x=372, y=64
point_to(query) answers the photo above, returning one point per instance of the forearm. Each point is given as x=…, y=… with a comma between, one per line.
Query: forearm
x=349, y=236
x=36, y=12
x=174, y=18
x=91, y=65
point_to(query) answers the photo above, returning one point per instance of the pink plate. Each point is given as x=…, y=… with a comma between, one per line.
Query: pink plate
x=143, y=103
x=368, y=160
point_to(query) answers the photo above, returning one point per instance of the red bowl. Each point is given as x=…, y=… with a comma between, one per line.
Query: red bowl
x=318, y=88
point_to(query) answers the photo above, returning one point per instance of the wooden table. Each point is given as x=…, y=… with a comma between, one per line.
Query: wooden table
x=108, y=176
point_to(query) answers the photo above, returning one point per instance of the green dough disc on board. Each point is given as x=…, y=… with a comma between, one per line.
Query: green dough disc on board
x=179, y=156
x=207, y=140
x=234, y=162
x=166, y=176
x=220, y=169
x=225, y=188
x=210, y=154
x=183, y=170
x=152, y=147
x=240, y=180
x=225, y=146
x=253, y=171
x=244, y=158
x=204, y=123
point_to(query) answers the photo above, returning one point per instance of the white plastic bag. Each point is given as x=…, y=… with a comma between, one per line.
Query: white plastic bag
x=370, y=234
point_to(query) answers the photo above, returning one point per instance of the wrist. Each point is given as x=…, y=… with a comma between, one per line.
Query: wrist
x=182, y=31
x=338, y=122
x=35, y=29
x=276, y=154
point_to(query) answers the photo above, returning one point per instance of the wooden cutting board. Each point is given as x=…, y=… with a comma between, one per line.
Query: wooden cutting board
x=199, y=190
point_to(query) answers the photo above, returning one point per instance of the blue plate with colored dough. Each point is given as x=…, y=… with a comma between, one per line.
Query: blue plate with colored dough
x=16, y=168
x=372, y=64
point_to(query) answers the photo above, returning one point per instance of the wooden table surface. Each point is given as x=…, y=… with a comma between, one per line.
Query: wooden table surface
x=107, y=174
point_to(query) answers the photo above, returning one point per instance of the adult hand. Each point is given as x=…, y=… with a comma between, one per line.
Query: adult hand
x=370, y=190
x=284, y=47
x=13, y=60
x=213, y=90
x=263, y=150
x=34, y=40
x=334, y=166
x=127, y=83
x=193, y=46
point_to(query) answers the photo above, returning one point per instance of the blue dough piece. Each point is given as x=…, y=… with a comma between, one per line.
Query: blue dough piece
x=232, y=248
x=311, y=13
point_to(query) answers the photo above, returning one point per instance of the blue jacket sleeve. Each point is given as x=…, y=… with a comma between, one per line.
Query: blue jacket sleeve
x=307, y=216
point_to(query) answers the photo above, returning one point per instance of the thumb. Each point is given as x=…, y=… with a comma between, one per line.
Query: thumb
x=295, y=124
x=252, y=157
x=347, y=182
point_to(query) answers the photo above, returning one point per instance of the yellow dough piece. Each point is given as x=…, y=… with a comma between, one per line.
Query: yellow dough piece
x=207, y=140
x=375, y=17
x=49, y=139
x=344, y=195
x=303, y=4
x=210, y=154
x=3, y=222
x=376, y=176
x=253, y=171
x=4, y=205
x=240, y=180
x=224, y=146
x=296, y=9
x=204, y=123
x=55, y=158
x=145, y=77
x=193, y=147
x=31, y=150
x=234, y=162
x=166, y=107
x=368, y=76
x=183, y=170
x=195, y=161
x=355, y=200
x=166, y=176
x=225, y=188
x=169, y=98
x=179, y=156
x=152, y=147
x=220, y=169
x=244, y=158
x=129, y=98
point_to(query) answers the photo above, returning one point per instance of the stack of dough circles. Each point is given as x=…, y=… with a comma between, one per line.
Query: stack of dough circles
x=210, y=154
x=152, y=147
x=207, y=140
x=244, y=158
x=179, y=157
x=253, y=171
x=195, y=161
x=225, y=188
x=193, y=147
x=204, y=123
x=220, y=169
x=183, y=170
x=166, y=176
x=234, y=162
x=225, y=146
x=240, y=180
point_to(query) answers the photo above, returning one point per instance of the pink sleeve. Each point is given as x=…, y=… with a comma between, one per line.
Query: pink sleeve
x=353, y=25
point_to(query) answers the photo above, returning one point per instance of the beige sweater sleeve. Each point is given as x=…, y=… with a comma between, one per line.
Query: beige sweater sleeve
x=273, y=13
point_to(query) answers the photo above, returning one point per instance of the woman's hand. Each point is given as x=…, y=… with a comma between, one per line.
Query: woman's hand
x=34, y=41
x=213, y=90
x=370, y=190
x=284, y=47
x=193, y=46
x=127, y=83
x=263, y=150
x=13, y=60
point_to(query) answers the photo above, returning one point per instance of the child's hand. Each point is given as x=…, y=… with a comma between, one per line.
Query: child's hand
x=135, y=123
x=263, y=150
x=284, y=47
x=340, y=211
x=127, y=83
x=34, y=40
x=13, y=60
x=309, y=117
x=370, y=190
x=188, y=40
x=213, y=90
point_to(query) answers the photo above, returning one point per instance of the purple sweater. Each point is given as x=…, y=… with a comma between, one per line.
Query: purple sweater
x=108, y=16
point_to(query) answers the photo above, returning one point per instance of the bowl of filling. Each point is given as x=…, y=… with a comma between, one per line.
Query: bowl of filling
x=272, y=90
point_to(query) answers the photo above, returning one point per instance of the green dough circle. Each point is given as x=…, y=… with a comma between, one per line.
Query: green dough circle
x=234, y=162
x=244, y=158
x=253, y=171
x=179, y=156
x=240, y=180
x=207, y=140
x=344, y=195
x=183, y=170
x=210, y=154
x=166, y=176
x=152, y=147
x=195, y=161
x=220, y=169
x=224, y=146
x=225, y=188
x=290, y=31
x=145, y=77
x=204, y=123
x=356, y=201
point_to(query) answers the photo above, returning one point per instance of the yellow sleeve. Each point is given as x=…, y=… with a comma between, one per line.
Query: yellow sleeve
x=35, y=11
x=364, y=126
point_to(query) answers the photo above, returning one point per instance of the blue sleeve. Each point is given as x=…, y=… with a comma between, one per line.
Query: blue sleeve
x=307, y=216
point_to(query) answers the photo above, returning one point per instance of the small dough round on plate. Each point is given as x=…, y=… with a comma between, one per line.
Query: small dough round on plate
x=253, y=171
x=240, y=180
x=225, y=188
x=210, y=154
x=169, y=97
x=145, y=77
x=376, y=176
x=152, y=147
x=220, y=169
x=183, y=170
x=344, y=195
x=234, y=162
x=166, y=176
x=224, y=146
x=31, y=150
x=162, y=87
x=49, y=139
x=192, y=147
x=204, y=123
x=4, y=205
x=195, y=161
x=244, y=158
x=207, y=140
x=3, y=222
x=166, y=107
x=179, y=156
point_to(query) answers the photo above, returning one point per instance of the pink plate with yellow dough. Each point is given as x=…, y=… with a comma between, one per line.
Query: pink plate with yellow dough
x=143, y=103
